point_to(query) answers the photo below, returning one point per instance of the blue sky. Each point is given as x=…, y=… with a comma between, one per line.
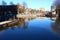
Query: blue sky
x=36, y=4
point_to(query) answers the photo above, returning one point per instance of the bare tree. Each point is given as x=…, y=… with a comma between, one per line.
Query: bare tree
x=11, y=3
x=4, y=3
x=56, y=3
x=25, y=4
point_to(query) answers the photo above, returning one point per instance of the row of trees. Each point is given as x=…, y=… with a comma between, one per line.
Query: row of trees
x=11, y=3
x=5, y=3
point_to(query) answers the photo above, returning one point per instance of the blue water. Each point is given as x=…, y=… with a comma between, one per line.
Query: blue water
x=36, y=29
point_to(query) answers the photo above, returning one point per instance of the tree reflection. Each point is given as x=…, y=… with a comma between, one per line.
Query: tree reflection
x=16, y=23
x=56, y=25
x=20, y=22
x=25, y=25
x=13, y=27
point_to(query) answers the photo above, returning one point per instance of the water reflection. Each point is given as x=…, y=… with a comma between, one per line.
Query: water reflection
x=3, y=28
x=53, y=19
x=36, y=29
x=56, y=25
x=12, y=28
x=18, y=24
x=25, y=25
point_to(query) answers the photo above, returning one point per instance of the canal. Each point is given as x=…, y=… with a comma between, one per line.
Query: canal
x=35, y=29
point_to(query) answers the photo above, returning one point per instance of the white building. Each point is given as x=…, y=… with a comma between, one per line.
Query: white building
x=53, y=10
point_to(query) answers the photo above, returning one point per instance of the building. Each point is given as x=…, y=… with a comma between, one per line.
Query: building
x=53, y=11
x=10, y=11
x=7, y=12
x=42, y=10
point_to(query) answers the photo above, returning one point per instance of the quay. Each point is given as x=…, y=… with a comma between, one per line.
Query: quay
x=8, y=23
x=4, y=22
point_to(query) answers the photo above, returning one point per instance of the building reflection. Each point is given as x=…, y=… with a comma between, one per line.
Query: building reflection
x=3, y=28
x=56, y=25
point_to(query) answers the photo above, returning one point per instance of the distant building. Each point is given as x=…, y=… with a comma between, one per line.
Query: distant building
x=42, y=10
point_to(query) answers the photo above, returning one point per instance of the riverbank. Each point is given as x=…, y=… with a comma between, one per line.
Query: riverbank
x=8, y=23
x=18, y=21
x=29, y=15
